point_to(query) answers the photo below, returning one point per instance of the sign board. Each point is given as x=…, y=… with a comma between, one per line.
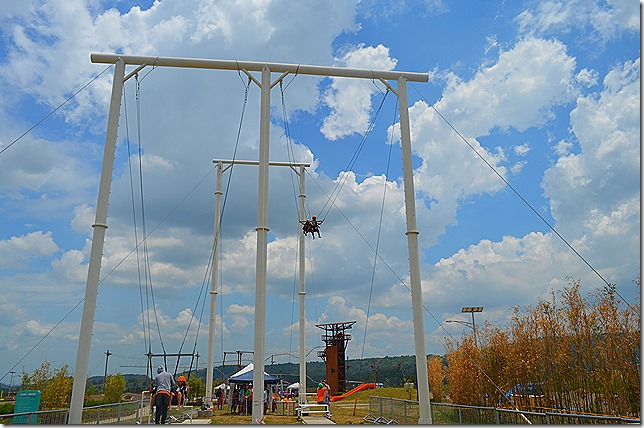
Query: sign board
x=26, y=401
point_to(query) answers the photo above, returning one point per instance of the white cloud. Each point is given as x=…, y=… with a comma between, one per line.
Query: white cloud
x=21, y=249
x=608, y=165
x=587, y=77
x=350, y=99
x=564, y=16
x=522, y=150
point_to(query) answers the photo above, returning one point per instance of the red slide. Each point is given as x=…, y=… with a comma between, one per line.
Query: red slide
x=358, y=388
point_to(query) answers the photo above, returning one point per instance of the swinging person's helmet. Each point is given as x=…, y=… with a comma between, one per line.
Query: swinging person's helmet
x=181, y=379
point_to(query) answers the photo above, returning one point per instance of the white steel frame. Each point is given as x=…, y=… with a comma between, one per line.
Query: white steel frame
x=265, y=84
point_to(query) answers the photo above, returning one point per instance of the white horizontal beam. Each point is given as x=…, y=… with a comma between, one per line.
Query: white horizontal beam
x=159, y=61
x=252, y=162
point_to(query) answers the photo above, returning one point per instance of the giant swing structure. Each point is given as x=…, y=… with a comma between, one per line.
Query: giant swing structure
x=265, y=84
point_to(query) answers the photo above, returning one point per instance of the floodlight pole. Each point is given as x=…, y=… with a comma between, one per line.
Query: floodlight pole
x=91, y=290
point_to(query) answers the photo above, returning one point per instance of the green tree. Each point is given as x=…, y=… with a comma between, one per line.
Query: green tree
x=114, y=388
x=197, y=387
x=55, y=385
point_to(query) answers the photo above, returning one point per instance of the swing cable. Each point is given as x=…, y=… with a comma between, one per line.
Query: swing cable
x=204, y=289
x=382, y=210
x=291, y=158
x=144, y=313
x=336, y=191
x=147, y=274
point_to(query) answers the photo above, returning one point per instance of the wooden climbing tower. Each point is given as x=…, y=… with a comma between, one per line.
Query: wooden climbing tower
x=336, y=338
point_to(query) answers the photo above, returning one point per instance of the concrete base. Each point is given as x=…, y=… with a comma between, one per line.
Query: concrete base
x=204, y=413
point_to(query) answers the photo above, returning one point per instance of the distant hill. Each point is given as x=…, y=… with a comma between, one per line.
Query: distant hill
x=390, y=371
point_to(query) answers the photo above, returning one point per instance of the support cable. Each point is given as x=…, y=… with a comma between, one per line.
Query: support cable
x=56, y=109
x=609, y=287
x=404, y=284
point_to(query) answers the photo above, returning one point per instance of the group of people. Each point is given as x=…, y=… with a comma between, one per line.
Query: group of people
x=242, y=402
x=312, y=226
x=166, y=392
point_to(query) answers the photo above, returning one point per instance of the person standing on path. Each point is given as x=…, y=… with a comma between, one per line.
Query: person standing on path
x=164, y=383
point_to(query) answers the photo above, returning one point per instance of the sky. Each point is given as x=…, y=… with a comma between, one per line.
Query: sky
x=543, y=95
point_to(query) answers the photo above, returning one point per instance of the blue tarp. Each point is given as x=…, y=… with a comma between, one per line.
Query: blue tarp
x=246, y=376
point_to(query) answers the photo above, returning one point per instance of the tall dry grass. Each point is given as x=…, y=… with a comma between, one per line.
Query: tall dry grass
x=579, y=353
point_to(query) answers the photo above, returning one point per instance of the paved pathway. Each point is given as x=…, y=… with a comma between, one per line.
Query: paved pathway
x=316, y=420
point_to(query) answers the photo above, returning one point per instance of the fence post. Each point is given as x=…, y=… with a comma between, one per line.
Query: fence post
x=547, y=419
x=393, y=415
x=98, y=416
x=496, y=416
x=460, y=417
x=405, y=412
x=380, y=414
x=118, y=413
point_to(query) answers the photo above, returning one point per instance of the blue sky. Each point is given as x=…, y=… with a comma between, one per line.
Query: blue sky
x=547, y=91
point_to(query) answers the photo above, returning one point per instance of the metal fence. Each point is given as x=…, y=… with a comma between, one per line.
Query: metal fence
x=50, y=417
x=117, y=413
x=387, y=410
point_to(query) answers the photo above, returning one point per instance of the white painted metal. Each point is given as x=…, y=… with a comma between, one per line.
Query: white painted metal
x=270, y=163
x=214, y=289
x=215, y=263
x=302, y=391
x=262, y=228
x=96, y=252
x=158, y=61
x=262, y=243
x=414, y=260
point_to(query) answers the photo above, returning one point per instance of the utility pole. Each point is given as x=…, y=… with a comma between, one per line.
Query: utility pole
x=107, y=356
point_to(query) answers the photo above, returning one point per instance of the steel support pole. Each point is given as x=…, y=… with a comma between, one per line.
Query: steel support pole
x=302, y=391
x=262, y=244
x=414, y=259
x=214, y=287
x=96, y=252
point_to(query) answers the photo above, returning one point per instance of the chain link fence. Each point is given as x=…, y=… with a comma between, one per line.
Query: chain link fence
x=385, y=410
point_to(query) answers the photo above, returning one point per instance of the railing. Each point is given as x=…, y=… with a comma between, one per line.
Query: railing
x=461, y=414
x=117, y=413
x=50, y=417
x=387, y=410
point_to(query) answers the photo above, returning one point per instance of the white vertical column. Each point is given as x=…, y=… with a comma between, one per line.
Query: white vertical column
x=414, y=259
x=96, y=252
x=214, y=288
x=302, y=394
x=262, y=243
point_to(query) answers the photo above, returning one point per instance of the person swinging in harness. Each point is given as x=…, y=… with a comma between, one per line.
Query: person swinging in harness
x=312, y=226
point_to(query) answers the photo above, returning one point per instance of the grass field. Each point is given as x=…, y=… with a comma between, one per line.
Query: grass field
x=349, y=411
